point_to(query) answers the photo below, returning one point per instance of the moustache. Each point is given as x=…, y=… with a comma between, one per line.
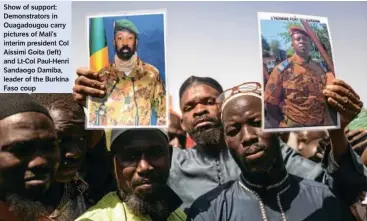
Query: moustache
x=125, y=48
x=203, y=119
x=254, y=148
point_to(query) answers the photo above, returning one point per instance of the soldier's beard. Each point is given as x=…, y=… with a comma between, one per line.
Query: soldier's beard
x=125, y=56
x=140, y=206
x=24, y=209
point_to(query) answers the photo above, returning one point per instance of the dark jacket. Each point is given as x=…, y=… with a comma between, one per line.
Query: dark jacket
x=194, y=173
x=292, y=199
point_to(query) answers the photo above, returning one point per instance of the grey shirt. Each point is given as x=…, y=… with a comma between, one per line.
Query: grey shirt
x=194, y=173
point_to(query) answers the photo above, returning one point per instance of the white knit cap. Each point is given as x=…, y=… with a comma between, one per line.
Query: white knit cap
x=116, y=133
x=238, y=95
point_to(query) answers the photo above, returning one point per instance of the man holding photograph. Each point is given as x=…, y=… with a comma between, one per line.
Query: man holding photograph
x=133, y=87
x=294, y=91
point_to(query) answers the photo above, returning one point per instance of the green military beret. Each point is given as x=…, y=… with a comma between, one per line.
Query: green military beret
x=125, y=24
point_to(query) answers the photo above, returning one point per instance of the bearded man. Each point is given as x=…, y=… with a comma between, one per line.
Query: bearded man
x=133, y=87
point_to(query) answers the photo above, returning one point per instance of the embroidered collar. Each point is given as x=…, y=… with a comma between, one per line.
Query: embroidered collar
x=263, y=189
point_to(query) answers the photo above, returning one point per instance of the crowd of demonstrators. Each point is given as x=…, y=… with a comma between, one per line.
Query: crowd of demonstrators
x=51, y=168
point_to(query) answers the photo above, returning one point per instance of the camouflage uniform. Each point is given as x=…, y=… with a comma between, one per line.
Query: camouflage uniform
x=296, y=86
x=143, y=88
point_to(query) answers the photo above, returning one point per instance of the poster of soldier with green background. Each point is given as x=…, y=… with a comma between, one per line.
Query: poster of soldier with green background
x=297, y=62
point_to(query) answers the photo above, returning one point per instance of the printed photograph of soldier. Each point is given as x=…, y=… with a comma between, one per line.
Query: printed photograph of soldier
x=127, y=54
x=298, y=66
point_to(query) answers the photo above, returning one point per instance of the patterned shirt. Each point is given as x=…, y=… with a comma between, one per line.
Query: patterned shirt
x=130, y=99
x=296, y=85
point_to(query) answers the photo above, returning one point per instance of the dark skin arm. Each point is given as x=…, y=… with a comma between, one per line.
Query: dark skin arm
x=86, y=84
x=346, y=101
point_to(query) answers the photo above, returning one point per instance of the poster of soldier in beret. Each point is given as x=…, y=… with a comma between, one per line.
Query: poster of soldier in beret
x=128, y=51
x=297, y=62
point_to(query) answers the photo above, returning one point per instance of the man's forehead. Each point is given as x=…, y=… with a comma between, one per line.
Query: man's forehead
x=25, y=126
x=240, y=105
x=199, y=90
x=65, y=120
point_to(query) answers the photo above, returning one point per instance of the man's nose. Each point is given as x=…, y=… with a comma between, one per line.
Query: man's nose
x=248, y=135
x=200, y=110
x=37, y=161
x=73, y=152
x=144, y=166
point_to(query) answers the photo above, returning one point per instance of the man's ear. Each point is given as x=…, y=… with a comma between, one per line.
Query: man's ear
x=184, y=128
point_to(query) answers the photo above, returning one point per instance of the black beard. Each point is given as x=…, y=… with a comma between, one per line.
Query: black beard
x=24, y=209
x=206, y=137
x=124, y=55
x=140, y=206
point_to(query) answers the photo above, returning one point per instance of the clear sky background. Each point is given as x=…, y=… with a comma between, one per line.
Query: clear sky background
x=221, y=39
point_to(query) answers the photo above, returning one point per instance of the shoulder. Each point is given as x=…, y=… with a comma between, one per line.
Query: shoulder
x=313, y=187
x=101, y=209
x=180, y=155
x=204, y=202
x=318, y=66
x=177, y=215
x=283, y=65
x=149, y=69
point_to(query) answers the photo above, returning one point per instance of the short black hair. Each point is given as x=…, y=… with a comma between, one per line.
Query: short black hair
x=200, y=80
x=63, y=101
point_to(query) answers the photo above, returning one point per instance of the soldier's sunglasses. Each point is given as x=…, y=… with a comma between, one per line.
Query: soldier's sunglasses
x=246, y=87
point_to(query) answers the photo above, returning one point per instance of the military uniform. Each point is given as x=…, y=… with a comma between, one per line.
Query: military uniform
x=130, y=98
x=296, y=86
x=133, y=97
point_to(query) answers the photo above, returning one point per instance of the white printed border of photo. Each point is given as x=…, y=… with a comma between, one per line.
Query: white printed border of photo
x=132, y=13
x=268, y=16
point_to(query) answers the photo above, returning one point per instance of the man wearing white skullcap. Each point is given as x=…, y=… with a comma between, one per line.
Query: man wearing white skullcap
x=264, y=190
x=142, y=162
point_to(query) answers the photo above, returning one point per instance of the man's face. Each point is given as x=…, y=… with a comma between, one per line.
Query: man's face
x=72, y=142
x=125, y=44
x=142, y=163
x=301, y=43
x=200, y=115
x=29, y=154
x=253, y=150
x=177, y=135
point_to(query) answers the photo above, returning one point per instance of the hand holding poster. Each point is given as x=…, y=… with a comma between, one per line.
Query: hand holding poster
x=297, y=53
x=128, y=52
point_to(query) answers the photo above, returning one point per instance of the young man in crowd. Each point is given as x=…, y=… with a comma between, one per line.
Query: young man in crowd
x=141, y=163
x=70, y=194
x=264, y=190
x=29, y=157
